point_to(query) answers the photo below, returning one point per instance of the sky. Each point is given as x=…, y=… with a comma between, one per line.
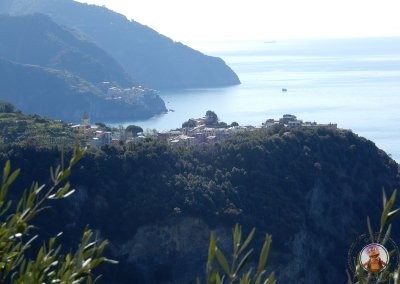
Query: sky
x=211, y=20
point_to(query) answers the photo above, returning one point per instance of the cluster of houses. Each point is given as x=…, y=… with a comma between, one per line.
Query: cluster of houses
x=96, y=134
x=186, y=136
x=190, y=136
x=291, y=121
x=133, y=94
x=200, y=134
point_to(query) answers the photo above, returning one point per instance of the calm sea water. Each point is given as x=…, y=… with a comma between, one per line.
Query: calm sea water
x=352, y=82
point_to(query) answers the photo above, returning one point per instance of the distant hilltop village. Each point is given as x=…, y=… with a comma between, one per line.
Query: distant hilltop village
x=198, y=131
x=131, y=95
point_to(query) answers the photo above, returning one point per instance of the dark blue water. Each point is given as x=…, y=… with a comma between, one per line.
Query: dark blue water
x=353, y=82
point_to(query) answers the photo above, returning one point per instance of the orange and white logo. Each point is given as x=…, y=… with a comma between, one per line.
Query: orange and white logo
x=374, y=258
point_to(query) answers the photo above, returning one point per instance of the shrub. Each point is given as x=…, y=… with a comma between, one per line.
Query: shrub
x=17, y=235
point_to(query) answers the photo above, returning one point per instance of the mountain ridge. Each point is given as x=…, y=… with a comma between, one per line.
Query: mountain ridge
x=151, y=59
x=35, y=39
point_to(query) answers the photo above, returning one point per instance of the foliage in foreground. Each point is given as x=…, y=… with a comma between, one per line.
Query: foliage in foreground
x=389, y=275
x=48, y=265
x=219, y=271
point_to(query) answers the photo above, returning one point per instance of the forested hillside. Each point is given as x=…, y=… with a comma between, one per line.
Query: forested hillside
x=37, y=40
x=311, y=188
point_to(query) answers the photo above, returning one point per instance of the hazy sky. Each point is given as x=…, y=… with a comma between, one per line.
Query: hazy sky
x=189, y=21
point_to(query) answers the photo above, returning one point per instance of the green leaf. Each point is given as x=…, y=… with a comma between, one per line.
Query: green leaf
x=259, y=277
x=214, y=275
x=247, y=241
x=6, y=171
x=271, y=279
x=13, y=176
x=386, y=210
x=392, y=214
x=387, y=235
x=264, y=253
x=63, y=175
x=237, y=234
x=243, y=262
x=246, y=278
x=384, y=198
x=211, y=251
x=222, y=261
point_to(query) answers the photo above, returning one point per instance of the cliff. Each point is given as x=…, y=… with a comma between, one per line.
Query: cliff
x=311, y=188
x=150, y=58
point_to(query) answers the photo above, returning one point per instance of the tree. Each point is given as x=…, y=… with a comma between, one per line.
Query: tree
x=134, y=129
x=211, y=118
x=6, y=107
x=222, y=125
x=190, y=123
x=17, y=234
x=234, y=124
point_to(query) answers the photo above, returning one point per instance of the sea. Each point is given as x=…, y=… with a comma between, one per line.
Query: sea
x=352, y=82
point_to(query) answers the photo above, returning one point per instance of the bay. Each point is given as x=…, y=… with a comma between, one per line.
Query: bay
x=352, y=82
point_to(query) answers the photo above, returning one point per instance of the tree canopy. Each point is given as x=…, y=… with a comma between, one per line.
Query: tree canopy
x=6, y=107
x=134, y=129
x=211, y=118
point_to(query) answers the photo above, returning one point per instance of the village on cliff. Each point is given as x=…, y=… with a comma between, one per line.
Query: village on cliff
x=193, y=132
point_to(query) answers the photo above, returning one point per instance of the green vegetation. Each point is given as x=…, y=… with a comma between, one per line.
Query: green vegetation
x=34, y=130
x=390, y=274
x=47, y=44
x=211, y=118
x=6, y=107
x=190, y=123
x=309, y=187
x=134, y=129
x=17, y=235
x=235, y=272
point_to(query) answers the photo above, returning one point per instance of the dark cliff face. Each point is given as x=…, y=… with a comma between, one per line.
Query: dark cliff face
x=150, y=58
x=312, y=189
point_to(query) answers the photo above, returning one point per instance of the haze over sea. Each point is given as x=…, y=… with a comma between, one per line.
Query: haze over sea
x=352, y=82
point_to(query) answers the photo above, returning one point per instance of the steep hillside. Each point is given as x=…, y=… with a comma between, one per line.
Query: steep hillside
x=16, y=127
x=62, y=95
x=37, y=40
x=150, y=58
x=311, y=188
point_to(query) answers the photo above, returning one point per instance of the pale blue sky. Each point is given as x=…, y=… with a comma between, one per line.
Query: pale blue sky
x=208, y=20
